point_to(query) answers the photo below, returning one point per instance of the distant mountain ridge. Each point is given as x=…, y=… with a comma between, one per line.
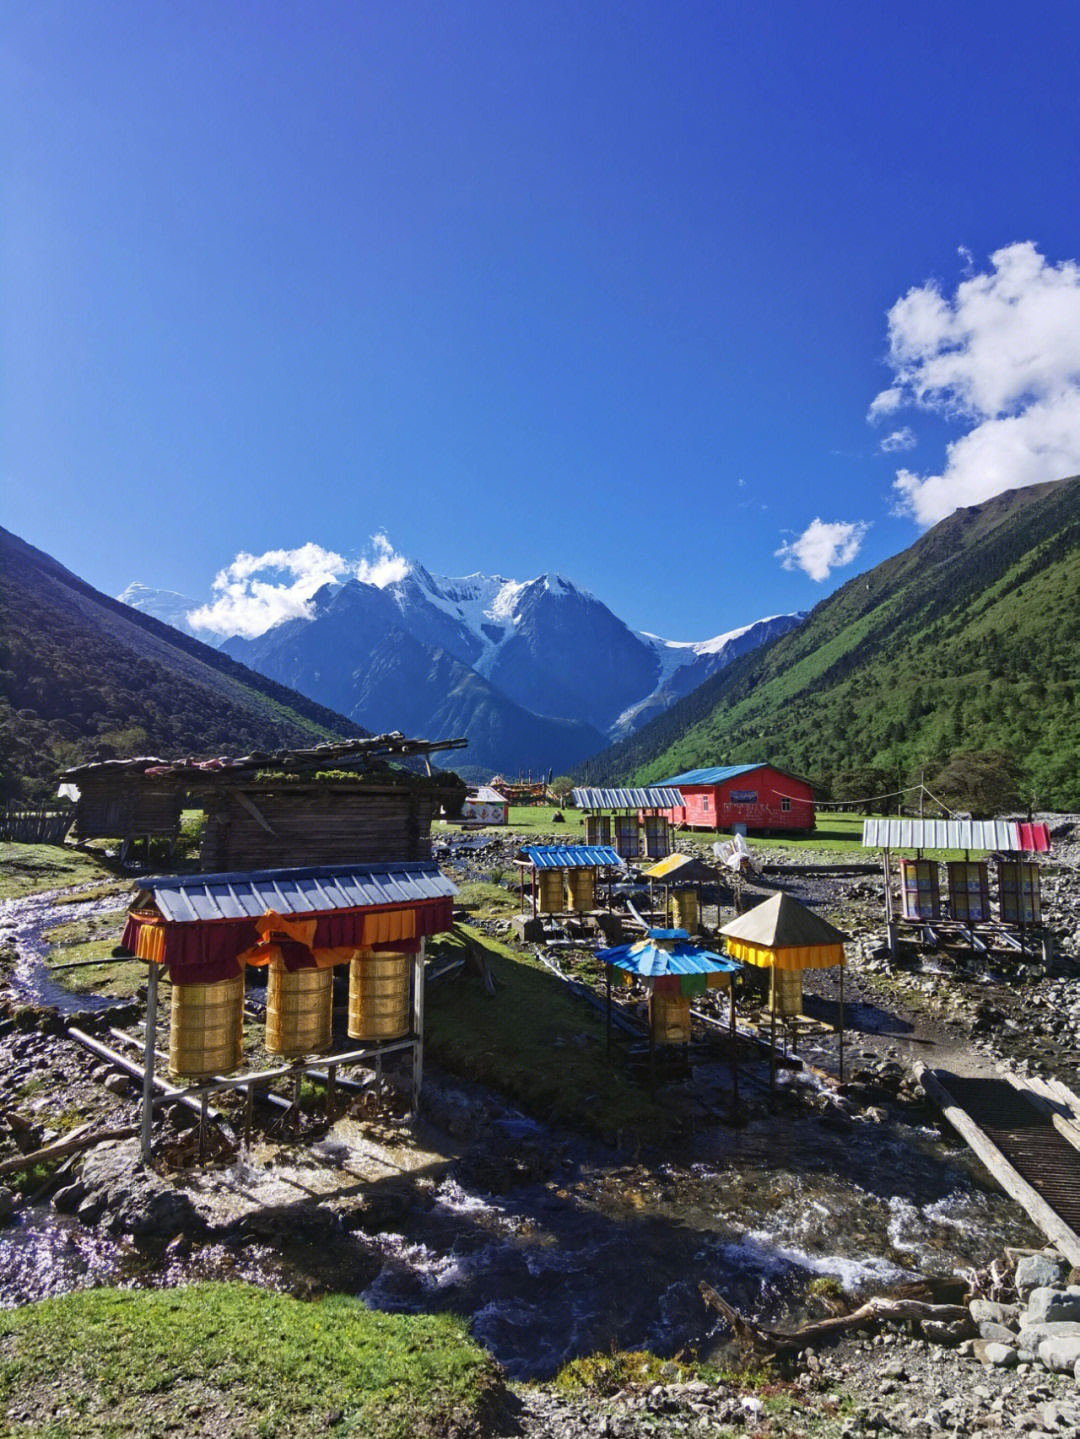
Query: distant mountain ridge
x=967, y=640
x=536, y=673
x=83, y=676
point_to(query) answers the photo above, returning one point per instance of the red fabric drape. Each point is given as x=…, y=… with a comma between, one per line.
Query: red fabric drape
x=209, y=950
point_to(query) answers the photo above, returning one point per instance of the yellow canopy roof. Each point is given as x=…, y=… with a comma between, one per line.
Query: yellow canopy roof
x=785, y=934
x=681, y=869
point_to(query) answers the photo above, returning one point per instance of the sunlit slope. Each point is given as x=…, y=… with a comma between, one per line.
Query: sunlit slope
x=969, y=639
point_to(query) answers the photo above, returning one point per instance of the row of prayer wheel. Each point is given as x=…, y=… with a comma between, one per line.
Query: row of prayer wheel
x=206, y=1036
x=628, y=831
x=968, y=890
x=578, y=893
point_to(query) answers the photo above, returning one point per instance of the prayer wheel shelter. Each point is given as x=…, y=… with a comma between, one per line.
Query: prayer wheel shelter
x=485, y=805
x=204, y=931
x=635, y=821
x=746, y=798
x=355, y=801
x=562, y=877
x=682, y=876
x=961, y=909
x=785, y=937
x=672, y=969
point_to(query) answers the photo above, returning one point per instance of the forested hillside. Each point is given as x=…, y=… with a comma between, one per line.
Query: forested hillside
x=969, y=640
x=85, y=677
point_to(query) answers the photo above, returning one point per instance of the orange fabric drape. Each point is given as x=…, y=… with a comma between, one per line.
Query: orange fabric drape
x=302, y=930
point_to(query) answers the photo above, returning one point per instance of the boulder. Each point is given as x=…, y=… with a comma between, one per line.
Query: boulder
x=1036, y=1271
x=938, y=1331
x=1060, y=1355
x=988, y=1311
x=1035, y=1330
x=991, y=1352
x=999, y=1333
x=131, y=1199
x=1050, y=1305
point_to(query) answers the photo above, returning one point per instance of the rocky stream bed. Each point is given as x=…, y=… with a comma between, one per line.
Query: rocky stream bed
x=562, y=1247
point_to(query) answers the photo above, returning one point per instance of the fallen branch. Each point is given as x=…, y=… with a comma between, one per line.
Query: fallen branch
x=879, y=1310
x=71, y=1145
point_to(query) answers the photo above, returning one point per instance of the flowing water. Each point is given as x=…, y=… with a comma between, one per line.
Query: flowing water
x=28, y=919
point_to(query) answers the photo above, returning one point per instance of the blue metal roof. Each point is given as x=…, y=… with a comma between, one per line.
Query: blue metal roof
x=189, y=898
x=573, y=856
x=716, y=775
x=648, y=959
x=652, y=797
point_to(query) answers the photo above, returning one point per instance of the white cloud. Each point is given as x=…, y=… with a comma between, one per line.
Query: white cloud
x=902, y=439
x=823, y=547
x=1003, y=355
x=253, y=594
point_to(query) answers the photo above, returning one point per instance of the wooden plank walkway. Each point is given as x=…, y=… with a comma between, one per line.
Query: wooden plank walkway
x=1015, y=1137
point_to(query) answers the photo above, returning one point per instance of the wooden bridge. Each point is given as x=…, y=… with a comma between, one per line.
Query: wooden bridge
x=1026, y=1131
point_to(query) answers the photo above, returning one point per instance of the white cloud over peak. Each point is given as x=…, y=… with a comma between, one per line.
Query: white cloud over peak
x=256, y=592
x=1003, y=355
x=902, y=439
x=823, y=547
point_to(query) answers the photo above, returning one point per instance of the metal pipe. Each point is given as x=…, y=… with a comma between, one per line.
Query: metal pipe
x=170, y=1091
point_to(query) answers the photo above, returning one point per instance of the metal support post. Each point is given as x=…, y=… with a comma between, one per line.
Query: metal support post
x=148, y=1062
x=418, y=1025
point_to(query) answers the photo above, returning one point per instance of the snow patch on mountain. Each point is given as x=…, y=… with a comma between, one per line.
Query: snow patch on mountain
x=165, y=605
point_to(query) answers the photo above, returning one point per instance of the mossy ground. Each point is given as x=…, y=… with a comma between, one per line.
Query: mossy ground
x=234, y=1359
x=30, y=868
x=535, y=1041
x=95, y=938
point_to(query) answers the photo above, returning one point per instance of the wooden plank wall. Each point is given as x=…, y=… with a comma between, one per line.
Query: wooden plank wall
x=315, y=824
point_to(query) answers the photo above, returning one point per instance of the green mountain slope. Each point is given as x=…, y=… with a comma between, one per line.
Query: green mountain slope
x=85, y=677
x=969, y=640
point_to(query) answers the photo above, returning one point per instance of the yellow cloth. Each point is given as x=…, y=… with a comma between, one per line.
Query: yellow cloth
x=818, y=956
x=150, y=944
x=386, y=926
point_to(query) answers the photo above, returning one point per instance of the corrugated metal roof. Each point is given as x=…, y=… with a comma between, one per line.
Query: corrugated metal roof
x=716, y=775
x=484, y=794
x=650, y=960
x=999, y=834
x=652, y=797
x=186, y=899
x=572, y=856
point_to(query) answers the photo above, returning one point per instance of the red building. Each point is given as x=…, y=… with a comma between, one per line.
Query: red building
x=756, y=796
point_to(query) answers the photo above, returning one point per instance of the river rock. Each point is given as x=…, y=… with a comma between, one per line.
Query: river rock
x=118, y=1084
x=1058, y=1415
x=1037, y=1271
x=991, y=1352
x=68, y=1199
x=940, y=1331
x=998, y=1333
x=1034, y=1331
x=989, y=1311
x=7, y=1203
x=1051, y=1304
x=132, y=1199
x=1060, y=1355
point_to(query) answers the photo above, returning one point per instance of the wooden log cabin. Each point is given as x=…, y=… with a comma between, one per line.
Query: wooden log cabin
x=355, y=801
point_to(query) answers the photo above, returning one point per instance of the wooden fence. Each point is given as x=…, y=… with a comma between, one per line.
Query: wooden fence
x=34, y=826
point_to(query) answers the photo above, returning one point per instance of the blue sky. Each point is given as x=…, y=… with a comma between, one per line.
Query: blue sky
x=599, y=288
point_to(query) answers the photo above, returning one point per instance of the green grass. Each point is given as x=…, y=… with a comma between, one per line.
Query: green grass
x=234, y=1359
x=94, y=938
x=536, y=1042
x=493, y=900
x=30, y=868
x=533, y=819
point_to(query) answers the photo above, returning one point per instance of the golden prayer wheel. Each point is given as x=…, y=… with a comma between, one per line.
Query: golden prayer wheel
x=684, y=910
x=656, y=836
x=785, y=992
x=549, y=890
x=969, y=890
x=597, y=829
x=920, y=894
x=299, y=1010
x=1018, y=891
x=670, y=1017
x=379, y=996
x=581, y=889
x=206, y=1035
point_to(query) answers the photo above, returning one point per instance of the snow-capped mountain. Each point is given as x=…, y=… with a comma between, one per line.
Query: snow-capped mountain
x=538, y=673
x=167, y=606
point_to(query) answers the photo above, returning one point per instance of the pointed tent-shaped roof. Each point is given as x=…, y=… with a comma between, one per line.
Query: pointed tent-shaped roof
x=784, y=933
x=682, y=869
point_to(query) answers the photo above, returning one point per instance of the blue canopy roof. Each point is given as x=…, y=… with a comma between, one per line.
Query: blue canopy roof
x=573, y=856
x=649, y=960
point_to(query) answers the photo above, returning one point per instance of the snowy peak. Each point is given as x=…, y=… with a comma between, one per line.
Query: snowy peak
x=165, y=605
